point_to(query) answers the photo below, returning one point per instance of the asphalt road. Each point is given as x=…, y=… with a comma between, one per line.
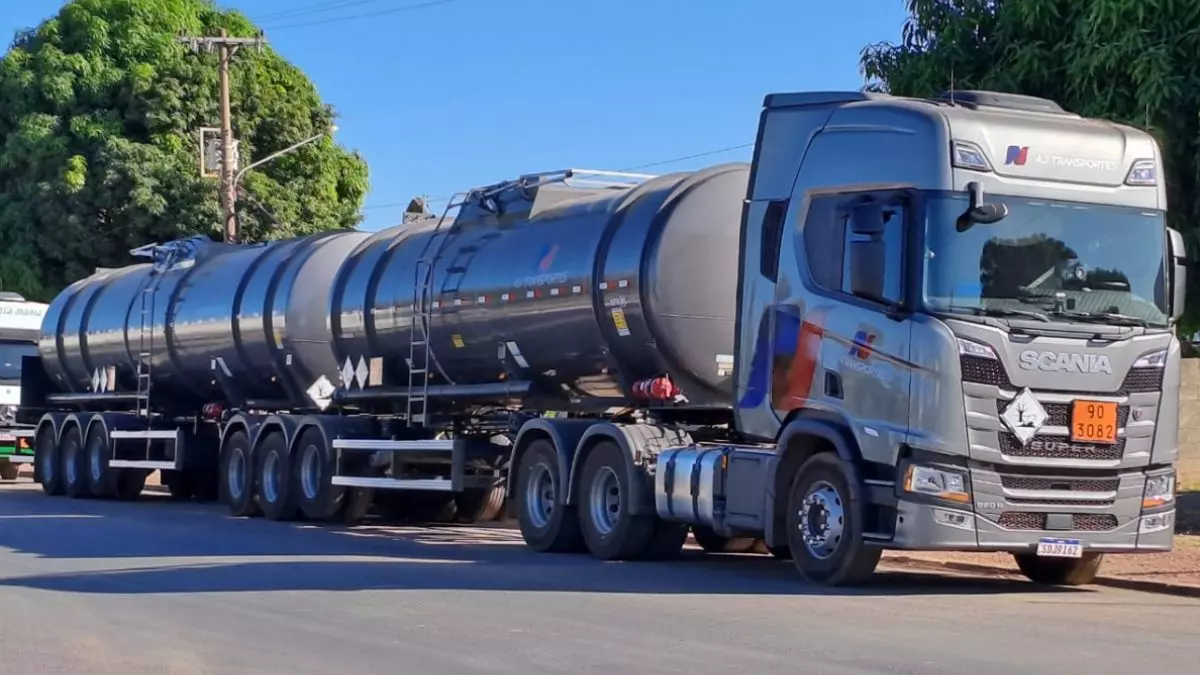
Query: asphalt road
x=95, y=587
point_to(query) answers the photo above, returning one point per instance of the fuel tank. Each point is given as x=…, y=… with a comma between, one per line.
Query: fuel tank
x=584, y=290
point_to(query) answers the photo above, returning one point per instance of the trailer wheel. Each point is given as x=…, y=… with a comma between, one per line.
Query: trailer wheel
x=610, y=530
x=102, y=481
x=275, y=495
x=1060, y=571
x=712, y=542
x=8, y=470
x=130, y=483
x=47, y=457
x=74, y=464
x=236, y=476
x=547, y=525
x=825, y=525
x=312, y=476
x=479, y=505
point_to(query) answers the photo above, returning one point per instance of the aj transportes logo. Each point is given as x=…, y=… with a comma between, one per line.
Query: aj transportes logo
x=1017, y=154
x=861, y=349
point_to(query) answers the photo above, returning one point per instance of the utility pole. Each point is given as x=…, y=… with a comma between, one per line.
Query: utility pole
x=226, y=47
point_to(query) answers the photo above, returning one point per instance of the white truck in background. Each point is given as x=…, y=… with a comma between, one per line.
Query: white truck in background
x=20, y=327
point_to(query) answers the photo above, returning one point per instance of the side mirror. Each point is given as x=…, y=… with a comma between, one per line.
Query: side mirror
x=868, y=261
x=1178, y=261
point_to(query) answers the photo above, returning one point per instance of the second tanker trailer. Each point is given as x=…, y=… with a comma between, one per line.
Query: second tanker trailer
x=797, y=350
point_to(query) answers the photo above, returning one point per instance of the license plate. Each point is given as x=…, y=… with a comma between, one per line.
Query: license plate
x=1060, y=548
x=1094, y=422
x=7, y=438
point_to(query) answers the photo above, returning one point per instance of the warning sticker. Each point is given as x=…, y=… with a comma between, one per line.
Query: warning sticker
x=618, y=316
x=458, y=341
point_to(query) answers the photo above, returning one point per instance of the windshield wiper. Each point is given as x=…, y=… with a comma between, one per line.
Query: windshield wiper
x=1114, y=318
x=997, y=312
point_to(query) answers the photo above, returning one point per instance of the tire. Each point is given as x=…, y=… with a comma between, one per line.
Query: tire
x=102, y=481
x=235, y=476
x=547, y=525
x=479, y=505
x=276, y=497
x=47, y=457
x=840, y=558
x=312, y=477
x=130, y=483
x=356, y=503
x=609, y=529
x=9, y=471
x=74, y=464
x=179, y=484
x=1060, y=571
x=712, y=542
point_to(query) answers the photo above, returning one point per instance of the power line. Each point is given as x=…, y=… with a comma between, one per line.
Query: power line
x=364, y=15
x=673, y=160
x=315, y=8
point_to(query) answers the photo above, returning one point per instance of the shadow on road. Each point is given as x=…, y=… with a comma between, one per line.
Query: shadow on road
x=206, y=551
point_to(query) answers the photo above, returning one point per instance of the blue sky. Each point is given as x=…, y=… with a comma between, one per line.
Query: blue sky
x=442, y=95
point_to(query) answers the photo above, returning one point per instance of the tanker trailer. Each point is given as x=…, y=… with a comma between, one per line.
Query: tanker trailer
x=802, y=351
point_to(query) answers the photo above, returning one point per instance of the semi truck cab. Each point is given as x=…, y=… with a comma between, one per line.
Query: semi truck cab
x=20, y=328
x=970, y=301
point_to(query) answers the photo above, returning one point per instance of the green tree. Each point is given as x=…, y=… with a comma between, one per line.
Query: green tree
x=1131, y=61
x=100, y=111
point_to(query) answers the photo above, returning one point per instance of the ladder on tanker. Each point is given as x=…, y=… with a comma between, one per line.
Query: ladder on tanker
x=145, y=360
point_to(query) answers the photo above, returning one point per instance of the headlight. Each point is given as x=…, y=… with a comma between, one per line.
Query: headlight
x=1160, y=491
x=969, y=348
x=1155, y=360
x=948, y=485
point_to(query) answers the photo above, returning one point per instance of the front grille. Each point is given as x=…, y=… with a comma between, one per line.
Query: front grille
x=978, y=370
x=1057, y=447
x=1081, y=522
x=1059, y=414
x=1142, y=380
x=984, y=371
x=1061, y=484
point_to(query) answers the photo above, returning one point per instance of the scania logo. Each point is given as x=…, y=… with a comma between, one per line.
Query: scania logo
x=1069, y=362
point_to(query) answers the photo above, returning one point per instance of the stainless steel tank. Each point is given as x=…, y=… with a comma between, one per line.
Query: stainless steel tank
x=645, y=277
x=563, y=285
x=248, y=306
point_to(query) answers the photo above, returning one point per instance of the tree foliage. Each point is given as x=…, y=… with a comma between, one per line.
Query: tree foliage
x=1131, y=61
x=100, y=111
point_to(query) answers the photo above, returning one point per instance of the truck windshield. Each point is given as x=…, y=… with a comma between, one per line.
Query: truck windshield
x=1047, y=260
x=10, y=358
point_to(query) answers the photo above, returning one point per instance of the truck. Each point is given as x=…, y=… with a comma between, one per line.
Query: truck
x=20, y=330
x=907, y=323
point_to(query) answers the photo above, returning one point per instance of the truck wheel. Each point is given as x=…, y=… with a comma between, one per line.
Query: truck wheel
x=712, y=542
x=610, y=530
x=547, y=525
x=1060, y=571
x=275, y=495
x=9, y=471
x=179, y=484
x=102, y=481
x=825, y=525
x=130, y=483
x=236, y=476
x=74, y=464
x=479, y=505
x=47, y=457
x=312, y=477
x=356, y=503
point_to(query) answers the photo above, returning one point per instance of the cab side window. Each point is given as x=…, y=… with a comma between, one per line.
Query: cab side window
x=861, y=233
x=893, y=241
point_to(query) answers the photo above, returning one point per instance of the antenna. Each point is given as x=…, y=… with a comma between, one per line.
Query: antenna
x=951, y=85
